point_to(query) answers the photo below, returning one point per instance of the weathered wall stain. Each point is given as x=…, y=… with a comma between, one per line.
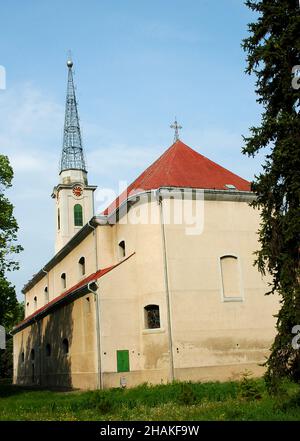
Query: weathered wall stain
x=155, y=355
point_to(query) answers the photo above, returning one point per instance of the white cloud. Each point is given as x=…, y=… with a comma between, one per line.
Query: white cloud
x=22, y=162
x=120, y=157
x=30, y=128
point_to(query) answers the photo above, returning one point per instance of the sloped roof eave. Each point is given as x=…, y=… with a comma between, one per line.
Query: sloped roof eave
x=68, y=296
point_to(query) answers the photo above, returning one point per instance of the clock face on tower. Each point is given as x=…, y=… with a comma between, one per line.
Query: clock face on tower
x=77, y=191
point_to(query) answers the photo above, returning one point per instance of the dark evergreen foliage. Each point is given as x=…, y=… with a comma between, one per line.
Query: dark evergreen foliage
x=273, y=52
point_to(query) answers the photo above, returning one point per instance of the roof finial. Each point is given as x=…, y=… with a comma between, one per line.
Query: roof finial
x=69, y=59
x=176, y=127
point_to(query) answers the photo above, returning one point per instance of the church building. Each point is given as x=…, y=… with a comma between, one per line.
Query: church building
x=159, y=287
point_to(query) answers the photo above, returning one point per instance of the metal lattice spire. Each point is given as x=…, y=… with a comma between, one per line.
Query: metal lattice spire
x=72, y=153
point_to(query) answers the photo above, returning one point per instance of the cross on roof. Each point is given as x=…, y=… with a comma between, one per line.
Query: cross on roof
x=176, y=127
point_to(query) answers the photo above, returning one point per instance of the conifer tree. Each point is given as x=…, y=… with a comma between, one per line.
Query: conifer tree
x=273, y=55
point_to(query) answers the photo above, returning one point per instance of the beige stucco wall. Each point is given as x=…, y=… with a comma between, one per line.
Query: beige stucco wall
x=68, y=265
x=208, y=331
x=65, y=201
x=123, y=294
x=38, y=292
x=78, y=369
x=211, y=338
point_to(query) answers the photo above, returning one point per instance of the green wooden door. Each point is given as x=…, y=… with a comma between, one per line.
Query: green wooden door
x=123, y=361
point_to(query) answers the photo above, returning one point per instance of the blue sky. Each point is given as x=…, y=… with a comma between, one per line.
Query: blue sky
x=137, y=65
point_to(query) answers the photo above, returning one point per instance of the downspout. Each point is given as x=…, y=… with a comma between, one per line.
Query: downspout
x=98, y=337
x=47, y=274
x=38, y=323
x=39, y=327
x=48, y=288
x=166, y=277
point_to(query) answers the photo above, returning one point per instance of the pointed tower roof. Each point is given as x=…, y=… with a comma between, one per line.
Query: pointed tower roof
x=180, y=166
x=72, y=157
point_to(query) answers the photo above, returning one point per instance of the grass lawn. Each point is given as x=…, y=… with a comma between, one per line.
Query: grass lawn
x=245, y=400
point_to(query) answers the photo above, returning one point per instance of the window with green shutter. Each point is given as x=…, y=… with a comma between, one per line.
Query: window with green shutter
x=123, y=361
x=78, y=218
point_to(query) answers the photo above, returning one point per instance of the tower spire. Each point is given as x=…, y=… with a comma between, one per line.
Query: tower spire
x=72, y=157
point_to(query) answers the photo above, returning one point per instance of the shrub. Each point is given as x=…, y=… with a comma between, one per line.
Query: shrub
x=291, y=403
x=249, y=388
x=186, y=395
x=102, y=402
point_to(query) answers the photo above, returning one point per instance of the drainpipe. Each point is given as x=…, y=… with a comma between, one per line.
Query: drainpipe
x=39, y=326
x=38, y=322
x=166, y=276
x=48, y=288
x=96, y=294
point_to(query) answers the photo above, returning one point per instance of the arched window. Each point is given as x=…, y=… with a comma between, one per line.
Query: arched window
x=121, y=249
x=81, y=264
x=46, y=294
x=23, y=357
x=78, y=218
x=65, y=344
x=32, y=354
x=152, y=318
x=35, y=302
x=58, y=219
x=230, y=275
x=63, y=279
x=27, y=304
x=48, y=350
x=87, y=304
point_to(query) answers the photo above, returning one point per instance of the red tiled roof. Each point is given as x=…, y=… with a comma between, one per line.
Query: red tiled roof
x=90, y=278
x=181, y=166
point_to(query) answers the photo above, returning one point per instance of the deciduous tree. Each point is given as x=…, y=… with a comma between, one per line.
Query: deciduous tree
x=10, y=309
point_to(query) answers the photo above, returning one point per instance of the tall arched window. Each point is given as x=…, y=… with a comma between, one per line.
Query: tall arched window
x=58, y=219
x=46, y=294
x=121, y=249
x=152, y=318
x=35, y=302
x=48, y=350
x=63, y=279
x=81, y=264
x=65, y=344
x=78, y=217
x=230, y=275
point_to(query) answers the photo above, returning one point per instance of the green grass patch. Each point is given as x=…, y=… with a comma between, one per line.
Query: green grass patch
x=244, y=400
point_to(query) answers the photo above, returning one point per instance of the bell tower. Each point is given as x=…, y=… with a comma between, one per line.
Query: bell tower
x=74, y=198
